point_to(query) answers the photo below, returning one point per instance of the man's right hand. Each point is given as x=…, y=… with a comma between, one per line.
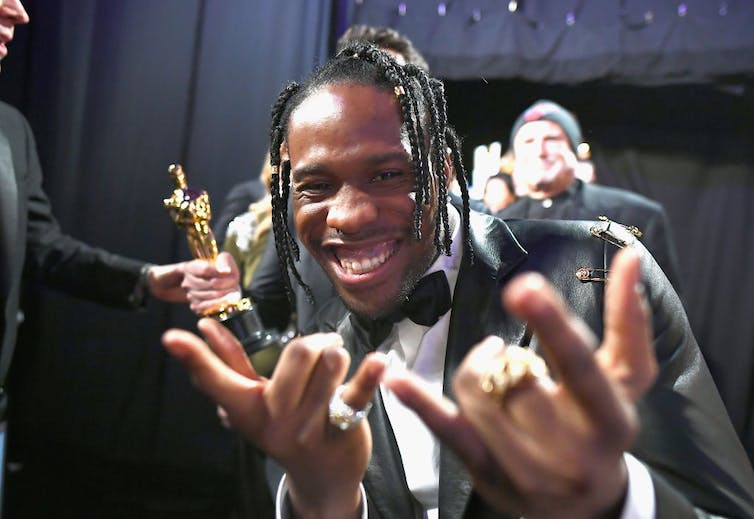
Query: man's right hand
x=287, y=416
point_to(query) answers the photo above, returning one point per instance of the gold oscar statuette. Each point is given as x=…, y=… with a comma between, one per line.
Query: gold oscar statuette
x=190, y=210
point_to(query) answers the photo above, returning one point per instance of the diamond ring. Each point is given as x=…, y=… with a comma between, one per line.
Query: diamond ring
x=342, y=415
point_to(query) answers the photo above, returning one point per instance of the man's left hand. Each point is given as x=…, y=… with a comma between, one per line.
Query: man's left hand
x=546, y=448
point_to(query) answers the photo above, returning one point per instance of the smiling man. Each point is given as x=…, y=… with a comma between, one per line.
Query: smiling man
x=351, y=189
x=443, y=309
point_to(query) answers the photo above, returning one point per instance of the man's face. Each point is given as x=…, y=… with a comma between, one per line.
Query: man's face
x=544, y=160
x=12, y=13
x=352, y=190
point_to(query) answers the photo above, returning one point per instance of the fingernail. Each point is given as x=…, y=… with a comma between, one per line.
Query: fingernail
x=332, y=356
x=379, y=369
x=491, y=346
x=534, y=282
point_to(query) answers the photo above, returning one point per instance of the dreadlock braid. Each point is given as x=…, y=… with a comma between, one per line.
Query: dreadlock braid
x=422, y=180
x=279, y=188
x=454, y=142
x=289, y=244
x=437, y=136
x=421, y=101
x=405, y=93
x=438, y=89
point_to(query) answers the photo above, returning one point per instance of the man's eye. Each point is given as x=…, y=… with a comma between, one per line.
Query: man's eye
x=313, y=187
x=387, y=175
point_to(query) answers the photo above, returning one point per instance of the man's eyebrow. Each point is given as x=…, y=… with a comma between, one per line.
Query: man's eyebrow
x=391, y=156
x=304, y=171
x=372, y=160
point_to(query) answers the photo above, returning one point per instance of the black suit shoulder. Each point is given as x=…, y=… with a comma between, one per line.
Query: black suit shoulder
x=608, y=197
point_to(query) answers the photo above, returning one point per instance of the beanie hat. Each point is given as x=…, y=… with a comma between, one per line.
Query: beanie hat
x=545, y=110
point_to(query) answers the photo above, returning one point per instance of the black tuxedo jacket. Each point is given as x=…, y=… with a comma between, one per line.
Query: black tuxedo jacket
x=692, y=451
x=583, y=201
x=32, y=245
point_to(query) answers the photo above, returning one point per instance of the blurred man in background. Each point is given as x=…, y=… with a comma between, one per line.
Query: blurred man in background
x=545, y=139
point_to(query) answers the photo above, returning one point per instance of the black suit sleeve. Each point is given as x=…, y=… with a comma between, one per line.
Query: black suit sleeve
x=57, y=259
x=686, y=438
x=658, y=238
x=267, y=289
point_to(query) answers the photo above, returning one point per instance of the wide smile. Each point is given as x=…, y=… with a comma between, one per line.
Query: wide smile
x=358, y=264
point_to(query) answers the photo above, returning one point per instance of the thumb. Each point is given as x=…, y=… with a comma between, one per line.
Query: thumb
x=627, y=352
x=225, y=264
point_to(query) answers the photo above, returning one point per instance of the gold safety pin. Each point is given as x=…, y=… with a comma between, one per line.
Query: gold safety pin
x=604, y=233
x=589, y=274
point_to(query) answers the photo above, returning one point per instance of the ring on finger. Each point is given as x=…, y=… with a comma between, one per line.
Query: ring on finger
x=342, y=415
x=509, y=368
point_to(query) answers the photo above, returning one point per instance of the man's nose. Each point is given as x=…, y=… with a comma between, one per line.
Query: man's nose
x=351, y=211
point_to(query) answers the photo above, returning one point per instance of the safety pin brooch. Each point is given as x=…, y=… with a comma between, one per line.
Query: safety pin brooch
x=604, y=233
x=589, y=274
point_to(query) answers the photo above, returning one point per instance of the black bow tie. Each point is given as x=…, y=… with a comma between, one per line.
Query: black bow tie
x=427, y=303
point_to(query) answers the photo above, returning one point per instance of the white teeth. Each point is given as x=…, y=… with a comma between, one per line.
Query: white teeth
x=364, y=265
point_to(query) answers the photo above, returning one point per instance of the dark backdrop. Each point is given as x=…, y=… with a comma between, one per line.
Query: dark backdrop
x=104, y=423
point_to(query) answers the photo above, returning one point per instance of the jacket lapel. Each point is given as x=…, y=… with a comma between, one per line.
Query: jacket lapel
x=385, y=481
x=477, y=312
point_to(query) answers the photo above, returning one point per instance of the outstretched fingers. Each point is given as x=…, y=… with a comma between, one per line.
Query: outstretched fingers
x=440, y=415
x=569, y=346
x=303, y=368
x=221, y=382
x=226, y=346
x=360, y=389
x=627, y=352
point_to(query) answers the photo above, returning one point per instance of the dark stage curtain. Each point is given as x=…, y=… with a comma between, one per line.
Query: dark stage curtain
x=103, y=423
x=642, y=42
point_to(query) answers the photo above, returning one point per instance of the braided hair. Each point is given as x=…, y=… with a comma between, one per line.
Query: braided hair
x=423, y=112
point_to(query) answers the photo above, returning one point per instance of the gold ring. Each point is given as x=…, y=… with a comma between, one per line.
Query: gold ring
x=509, y=368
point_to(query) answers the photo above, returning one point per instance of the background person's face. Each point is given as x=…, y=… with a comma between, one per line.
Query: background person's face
x=544, y=160
x=496, y=194
x=352, y=190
